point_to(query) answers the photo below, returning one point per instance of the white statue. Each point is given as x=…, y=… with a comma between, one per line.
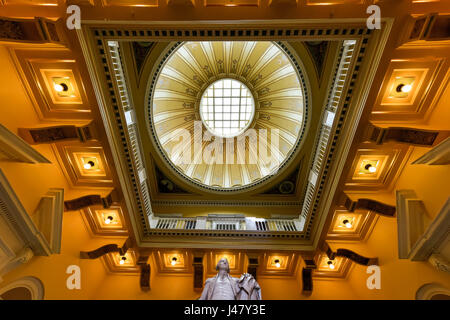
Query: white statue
x=225, y=287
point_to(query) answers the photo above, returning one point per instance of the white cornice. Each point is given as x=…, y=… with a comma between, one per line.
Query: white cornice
x=14, y=148
x=436, y=235
x=19, y=220
x=355, y=111
x=439, y=155
x=246, y=22
x=48, y=217
x=108, y=123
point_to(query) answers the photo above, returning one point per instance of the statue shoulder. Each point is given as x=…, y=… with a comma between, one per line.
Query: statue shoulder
x=209, y=280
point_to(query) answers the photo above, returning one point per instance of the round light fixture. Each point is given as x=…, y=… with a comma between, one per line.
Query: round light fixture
x=227, y=108
x=174, y=261
x=88, y=165
x=405, y=88
x=60, y=87
x=122, y=260
x=277, y=263
x=370, y=168
x=347, y=223
x=109, y=219
x=330, y=264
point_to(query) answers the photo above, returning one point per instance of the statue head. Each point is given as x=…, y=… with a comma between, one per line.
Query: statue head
x=223, y=265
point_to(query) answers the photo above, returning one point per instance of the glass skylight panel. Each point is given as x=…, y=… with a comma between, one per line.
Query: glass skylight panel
x=227, y=107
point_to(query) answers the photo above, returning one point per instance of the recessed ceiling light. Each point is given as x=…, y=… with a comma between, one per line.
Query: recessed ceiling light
x=174, y=261
x=347, y=223
x=122, y=260
x=370, y=168
x=330, y=264
x=405, y=88
x=60, y=87
x=109, y=219
x=277, y=263
x=88, y=165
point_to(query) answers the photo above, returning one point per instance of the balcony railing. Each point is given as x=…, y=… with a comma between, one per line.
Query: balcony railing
x=226, y=223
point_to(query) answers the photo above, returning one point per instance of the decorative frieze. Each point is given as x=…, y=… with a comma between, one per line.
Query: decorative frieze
x=412, y=136
x=57, y=133
x=90, y=200
x=369, y=204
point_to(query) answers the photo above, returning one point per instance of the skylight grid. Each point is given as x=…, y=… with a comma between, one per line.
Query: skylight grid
x=227, y=107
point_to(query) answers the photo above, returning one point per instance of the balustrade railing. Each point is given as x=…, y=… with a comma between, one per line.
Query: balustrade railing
x=226, y=224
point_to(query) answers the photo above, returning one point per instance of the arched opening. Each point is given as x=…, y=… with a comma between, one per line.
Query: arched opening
x=27, y=288
x=19, y=293
x=433, y=291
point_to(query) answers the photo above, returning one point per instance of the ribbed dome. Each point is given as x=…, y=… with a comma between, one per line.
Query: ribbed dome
x=273, y=82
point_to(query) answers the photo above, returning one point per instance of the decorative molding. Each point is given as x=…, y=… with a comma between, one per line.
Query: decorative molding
x=140, y=53
x=310, y=263
x=99, y=252
x=283, y=3
x=48, y=218
x=234, y=203
x=13, y=148
x=223, y=239
x=307, y=282
x=198, y=271
x=435, y=239
x=166, y=185
x=318, y=51
x=37, y=30
x=438, y=155
x=415, y=29
x=23, y=257
x=226, y=222
x=430, y=27
x=439, y=262
x=252, y=266
x=412, y=136
x=411, y=221
x=420, y=239
x=349, y=254
x=135, y=158
x=369, y=204
x=109, y=248
x=144, y=267
x=90, y=200
x=181, y=3
x=33, y=284
x=58, y=133
x=353, y=256
x=144, y=279
x=19, y=220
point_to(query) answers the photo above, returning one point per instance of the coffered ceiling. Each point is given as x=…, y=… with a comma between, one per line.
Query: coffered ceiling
x=310, y=81
x=157, y=87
